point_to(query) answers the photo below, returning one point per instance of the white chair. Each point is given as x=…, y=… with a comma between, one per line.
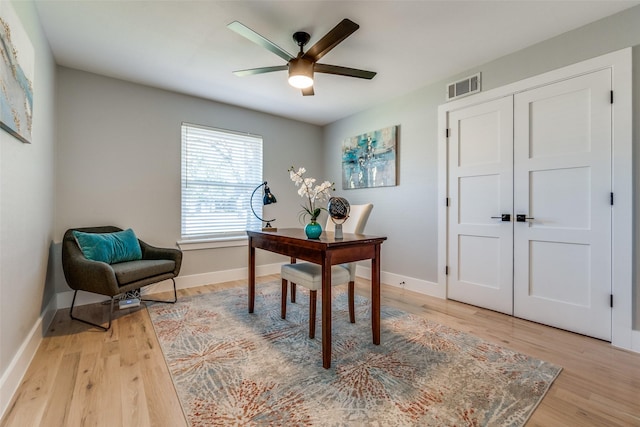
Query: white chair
x=310, y=275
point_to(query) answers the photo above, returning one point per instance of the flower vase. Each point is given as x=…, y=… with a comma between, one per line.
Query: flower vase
x=313, y=230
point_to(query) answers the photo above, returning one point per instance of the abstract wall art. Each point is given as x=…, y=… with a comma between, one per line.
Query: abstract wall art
x=16, y=76
x=369, y=160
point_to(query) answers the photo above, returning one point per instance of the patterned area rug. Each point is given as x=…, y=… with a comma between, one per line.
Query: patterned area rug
x=234, y=368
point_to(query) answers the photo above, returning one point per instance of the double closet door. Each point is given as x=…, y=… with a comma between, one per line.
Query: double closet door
x=529, y=220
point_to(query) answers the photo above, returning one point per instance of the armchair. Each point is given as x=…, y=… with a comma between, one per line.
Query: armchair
x=83, y=274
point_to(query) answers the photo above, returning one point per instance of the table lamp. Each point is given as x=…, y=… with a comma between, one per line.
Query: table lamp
x=267, y=199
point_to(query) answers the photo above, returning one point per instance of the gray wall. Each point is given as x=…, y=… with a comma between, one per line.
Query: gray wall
x=118, y=160
x=407, y=214
x=26, y=204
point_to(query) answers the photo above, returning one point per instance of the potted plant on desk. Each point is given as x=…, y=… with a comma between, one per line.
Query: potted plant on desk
x=314, y=196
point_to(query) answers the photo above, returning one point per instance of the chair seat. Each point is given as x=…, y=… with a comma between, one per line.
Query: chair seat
x=310, y=275
x=131, y=271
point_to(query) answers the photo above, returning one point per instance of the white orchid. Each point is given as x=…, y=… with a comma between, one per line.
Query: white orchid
x=296, y=176
x=313, y=194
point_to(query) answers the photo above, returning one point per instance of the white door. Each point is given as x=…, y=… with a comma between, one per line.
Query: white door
x=544, y=155
x=562, y=184
x=480, y=191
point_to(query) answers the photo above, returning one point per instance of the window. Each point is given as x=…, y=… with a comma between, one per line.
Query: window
x=220, y=170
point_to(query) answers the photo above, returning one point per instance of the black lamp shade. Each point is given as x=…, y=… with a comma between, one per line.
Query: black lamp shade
x=268, y=197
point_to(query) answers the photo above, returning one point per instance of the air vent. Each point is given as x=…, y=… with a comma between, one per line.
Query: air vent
x=464, y=87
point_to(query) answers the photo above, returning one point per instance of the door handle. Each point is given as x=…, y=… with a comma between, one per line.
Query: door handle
x=503, y=217
x=523, y=218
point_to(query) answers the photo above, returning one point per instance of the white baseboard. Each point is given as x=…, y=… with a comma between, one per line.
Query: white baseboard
x=12, y=377
x=195, y=280
x=182, y=282
x=404, y=282
x=63, y=299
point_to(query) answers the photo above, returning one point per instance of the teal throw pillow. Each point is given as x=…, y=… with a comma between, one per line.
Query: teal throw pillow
x=111, y=248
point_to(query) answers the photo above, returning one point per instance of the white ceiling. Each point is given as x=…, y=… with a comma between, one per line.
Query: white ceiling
x=185, y=46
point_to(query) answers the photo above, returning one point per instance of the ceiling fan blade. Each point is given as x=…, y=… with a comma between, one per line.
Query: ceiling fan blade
x=340, y=32
x=308, y=91
x=261, y=70
x=248, y=33
x=343, y=71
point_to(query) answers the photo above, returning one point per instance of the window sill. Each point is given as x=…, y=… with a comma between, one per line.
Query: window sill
x=212, y=243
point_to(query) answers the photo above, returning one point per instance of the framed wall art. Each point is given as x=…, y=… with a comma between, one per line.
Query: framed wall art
x=16, y=76
x=369, y=160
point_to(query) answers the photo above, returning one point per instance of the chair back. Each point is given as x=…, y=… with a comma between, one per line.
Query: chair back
x=358, y=216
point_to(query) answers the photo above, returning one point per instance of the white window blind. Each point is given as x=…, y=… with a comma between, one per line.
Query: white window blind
x=220, y=170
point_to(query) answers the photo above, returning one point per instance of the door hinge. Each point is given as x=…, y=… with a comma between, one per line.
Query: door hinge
x=446, y=201
x=611, y=199
x=446, y=132
x=446, y=270
x=612, y=97
x=611, y=300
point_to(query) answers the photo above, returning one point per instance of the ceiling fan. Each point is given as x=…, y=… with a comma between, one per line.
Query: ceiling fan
x=302, y=66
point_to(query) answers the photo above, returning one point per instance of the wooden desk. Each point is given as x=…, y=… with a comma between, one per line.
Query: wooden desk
x=325, y=251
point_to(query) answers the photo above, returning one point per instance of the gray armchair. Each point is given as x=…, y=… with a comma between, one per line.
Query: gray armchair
x=82, y=274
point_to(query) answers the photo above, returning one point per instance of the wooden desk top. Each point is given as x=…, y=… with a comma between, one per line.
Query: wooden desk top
x=293, y=242
x=327, y=238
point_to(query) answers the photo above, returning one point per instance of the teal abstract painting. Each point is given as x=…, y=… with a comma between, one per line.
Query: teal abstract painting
x=369, y=160
x=16, y=76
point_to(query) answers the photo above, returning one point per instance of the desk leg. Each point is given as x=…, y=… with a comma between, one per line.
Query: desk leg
x=326, y=313
x=252, y=275
x=375, y=296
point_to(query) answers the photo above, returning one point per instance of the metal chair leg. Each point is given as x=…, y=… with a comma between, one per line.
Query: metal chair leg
x=75, y=293
x=175, y=296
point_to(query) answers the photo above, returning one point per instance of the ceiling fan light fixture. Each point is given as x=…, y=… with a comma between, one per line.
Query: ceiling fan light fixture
x=300, y=82
x=302, y=68
x=300, y=73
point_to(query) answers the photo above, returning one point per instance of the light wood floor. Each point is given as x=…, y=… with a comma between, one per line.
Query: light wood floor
x=83, y=377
